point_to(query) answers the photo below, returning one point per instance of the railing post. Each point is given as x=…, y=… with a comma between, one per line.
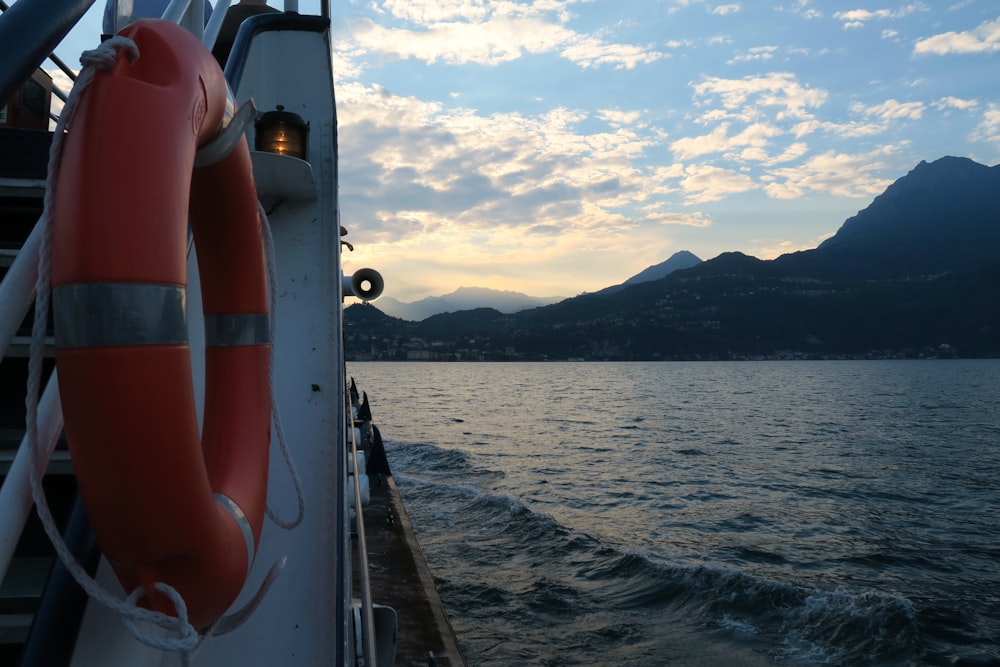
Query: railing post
x=29, y=31
x=15, y=494
x=17, y=289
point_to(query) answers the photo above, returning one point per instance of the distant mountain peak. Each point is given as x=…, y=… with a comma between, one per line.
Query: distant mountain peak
x=463, y=298
x=681, y=259
x=481, y=291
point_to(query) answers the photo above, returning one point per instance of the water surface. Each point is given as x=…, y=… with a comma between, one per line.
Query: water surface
x=704, y=513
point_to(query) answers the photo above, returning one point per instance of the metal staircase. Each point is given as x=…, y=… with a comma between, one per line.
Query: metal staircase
x=23, y=156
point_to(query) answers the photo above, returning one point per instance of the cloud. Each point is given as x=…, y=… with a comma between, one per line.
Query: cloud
x=760, y=121
x=689, y=219
x=793, y=152
x=511, y=190
x=679, y=43
x=619, y=118
x=985, y=38
x=719, y=140
x=458, y=32
x=751, y=94
x=891, y=110
x=705, y=183
x=432, y=11
x=419, y=168
x=755, y=53
x=489, y=43
x=857, y=18
x=874, y=119
x=802, y=8
x=847, y=130
x=839, y=174
x=723, y=10
x=955, y=103
x=681, y=4
x=989, y=128
x=591, y=52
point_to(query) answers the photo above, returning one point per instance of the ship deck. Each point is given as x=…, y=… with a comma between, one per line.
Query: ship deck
x=401, y=579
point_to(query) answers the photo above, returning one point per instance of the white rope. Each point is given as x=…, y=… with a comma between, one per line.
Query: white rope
x=272, y=284
x=103, y=57
x=179, y=624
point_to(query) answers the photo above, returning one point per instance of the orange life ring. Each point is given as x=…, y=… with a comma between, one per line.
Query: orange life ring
x=166, y=505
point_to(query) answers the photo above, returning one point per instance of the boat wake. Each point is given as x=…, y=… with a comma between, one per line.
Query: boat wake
x=509, y=571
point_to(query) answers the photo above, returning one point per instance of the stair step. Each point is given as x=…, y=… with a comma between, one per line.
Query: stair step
x=7, y=256
x=22, y=187
x=20, y=346
x=19, y=596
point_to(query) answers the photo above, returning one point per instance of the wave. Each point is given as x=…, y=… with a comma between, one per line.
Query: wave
x=520, y=573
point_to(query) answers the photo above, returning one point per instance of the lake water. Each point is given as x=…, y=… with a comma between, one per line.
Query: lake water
x=727, y=513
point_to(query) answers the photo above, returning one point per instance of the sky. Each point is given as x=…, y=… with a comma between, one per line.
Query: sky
x=553, y=147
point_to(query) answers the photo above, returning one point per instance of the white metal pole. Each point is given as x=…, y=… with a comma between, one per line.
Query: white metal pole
x=17, y=289
x=15, y=494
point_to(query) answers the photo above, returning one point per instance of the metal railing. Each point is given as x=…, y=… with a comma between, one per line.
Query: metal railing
x=55, y=60
x=367, y=613
x=30, y=30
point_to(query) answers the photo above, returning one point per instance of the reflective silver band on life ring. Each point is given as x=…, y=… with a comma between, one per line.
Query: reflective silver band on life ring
x=119, y=314
x=225, y=330
x=242, y=521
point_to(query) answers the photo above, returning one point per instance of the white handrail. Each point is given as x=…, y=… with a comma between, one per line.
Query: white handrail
x=17, y=289
x=214, y=24
x=15, y=494
x=367, y=615
x=189, y=14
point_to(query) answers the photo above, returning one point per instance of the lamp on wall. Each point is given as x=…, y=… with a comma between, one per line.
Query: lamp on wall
x=282, y=132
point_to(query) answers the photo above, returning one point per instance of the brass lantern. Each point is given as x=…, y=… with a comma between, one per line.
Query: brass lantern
x=282, y=132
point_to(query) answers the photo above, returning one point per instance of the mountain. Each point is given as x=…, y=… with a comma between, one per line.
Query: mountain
x=678, y=261
x=941, y=216
x=914, y=274
x=464, y=298
x=505, y=301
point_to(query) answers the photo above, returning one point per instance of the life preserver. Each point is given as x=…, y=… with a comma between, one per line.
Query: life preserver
x=166, y=504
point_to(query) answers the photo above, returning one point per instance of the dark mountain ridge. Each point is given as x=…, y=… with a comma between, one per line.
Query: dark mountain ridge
x=679, y=261
x=942, y=216
x=916, y=273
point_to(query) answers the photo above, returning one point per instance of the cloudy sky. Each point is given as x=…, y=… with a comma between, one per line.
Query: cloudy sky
x=553, y=147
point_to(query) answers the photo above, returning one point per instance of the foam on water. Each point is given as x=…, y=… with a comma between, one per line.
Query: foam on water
x=553, y=574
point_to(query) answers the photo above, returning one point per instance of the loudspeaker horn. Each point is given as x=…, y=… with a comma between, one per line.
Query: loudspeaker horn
x=366, y=284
